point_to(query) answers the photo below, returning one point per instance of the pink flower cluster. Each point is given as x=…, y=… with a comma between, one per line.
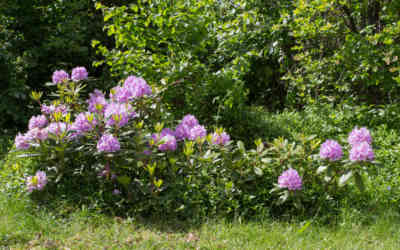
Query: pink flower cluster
x=78, y=74
x=290, y=179
x=331, y=150
x=36, y=182
x=108, y=143
x=361, y=149
x=34, y=135
x=167, y=137
x=220, y=138
x=189, y=128
x=133, y=87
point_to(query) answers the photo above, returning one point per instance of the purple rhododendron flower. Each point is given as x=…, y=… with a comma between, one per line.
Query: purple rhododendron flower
x=137, y=86
x=37, y=122
x=79, y=73
x=37, y=134
x=359, y=135
x=197, y=131
x=108, y=143
x=57, y=128
x=182, y=131
x=220, y=138
x=118, y=113
x=116, y=192
x=169, y=143
x=362, y=152
x=37, y=182
x=121, y=94
x=82, y=124
x=331, y=150
x=168, y=136
x=51, y=109
x=97, y=102
x=22, y=142
x=190, y=121
x=290, y=179
x=59, y=76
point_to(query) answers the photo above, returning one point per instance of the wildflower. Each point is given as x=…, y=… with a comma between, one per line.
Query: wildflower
x=108, y=143
x=59, y=76
x=137, y=86
x=116, y=192
x=220, y=138
x=362, y=152
x=197, y=131
x=37, y=121
x=22, y=141
x=97, y=102
x=331, y=150
x=79, y=73
x=290, y=179
x=38, y=181
x=359, y=135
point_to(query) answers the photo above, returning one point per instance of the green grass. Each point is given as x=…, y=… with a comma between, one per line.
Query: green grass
x=25, y=225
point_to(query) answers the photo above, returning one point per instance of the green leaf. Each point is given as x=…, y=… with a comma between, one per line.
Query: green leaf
x=258, y=171
x=124, y=180
x=344, y=178
x=322, y=169
x=359, y=181
x=240, y=145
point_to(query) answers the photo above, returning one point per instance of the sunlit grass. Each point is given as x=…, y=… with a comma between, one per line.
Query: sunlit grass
x=24, y=225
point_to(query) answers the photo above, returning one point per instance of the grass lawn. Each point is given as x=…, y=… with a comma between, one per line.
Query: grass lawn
x=24, y=226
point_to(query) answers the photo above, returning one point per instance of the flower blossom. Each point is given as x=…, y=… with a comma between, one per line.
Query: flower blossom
x=197, y=131
x=359, y=135
x=97, y=102
x=182, y=131
x=37, y=134
x=118, y=114
x=362, y=152
x=108, y=143
x=331, y=150
x=22, y=142
x=58, y=128
x=137, y=86
x=37, y=122
x=167, y=136
x=121, y=94
x=51, y=109
x=220, y=138
x=290, y=179
x=83, y=123
x=37, y=182
x=79, y=73
x=59, y=76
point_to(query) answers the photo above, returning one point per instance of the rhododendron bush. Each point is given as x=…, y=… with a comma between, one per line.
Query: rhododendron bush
x=122, y=148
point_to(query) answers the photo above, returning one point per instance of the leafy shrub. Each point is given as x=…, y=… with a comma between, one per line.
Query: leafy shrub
x=126, y=154
x=343, y=51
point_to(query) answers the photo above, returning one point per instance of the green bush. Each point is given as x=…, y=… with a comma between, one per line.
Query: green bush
x=343, y=51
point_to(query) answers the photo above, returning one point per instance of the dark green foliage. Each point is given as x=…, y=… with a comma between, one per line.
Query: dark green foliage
x=38, y=37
